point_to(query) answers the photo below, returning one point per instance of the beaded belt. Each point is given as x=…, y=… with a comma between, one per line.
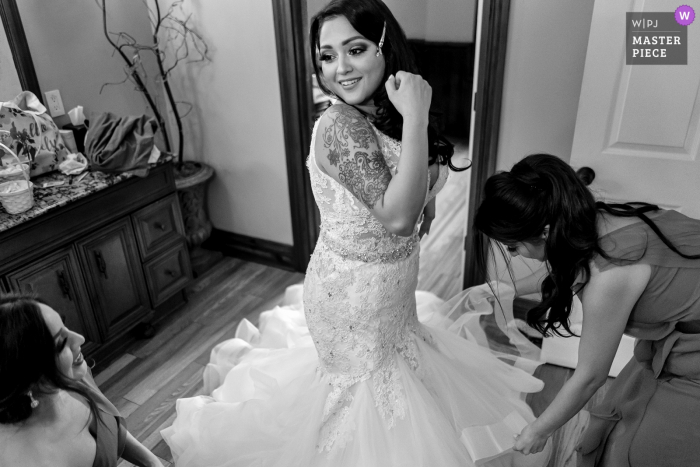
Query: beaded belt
x=396, y=254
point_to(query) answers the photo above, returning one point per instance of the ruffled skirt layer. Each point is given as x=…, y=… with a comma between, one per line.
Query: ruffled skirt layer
x=460, y=408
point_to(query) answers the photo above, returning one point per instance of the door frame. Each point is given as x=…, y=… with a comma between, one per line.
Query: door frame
x=487, y=107
x=295, y=72
x=297, y=116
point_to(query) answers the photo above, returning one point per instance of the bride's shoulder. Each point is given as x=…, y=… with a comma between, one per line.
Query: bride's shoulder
x=344, y=126
x=344, y=115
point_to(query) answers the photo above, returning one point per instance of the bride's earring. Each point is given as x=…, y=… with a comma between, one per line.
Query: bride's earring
x=34, y=403
x=381, y=41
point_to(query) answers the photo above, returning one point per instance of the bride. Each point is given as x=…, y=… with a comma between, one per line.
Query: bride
x=352, y=377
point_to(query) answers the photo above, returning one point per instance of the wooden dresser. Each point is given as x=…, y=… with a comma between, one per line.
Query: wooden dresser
x=108, y=254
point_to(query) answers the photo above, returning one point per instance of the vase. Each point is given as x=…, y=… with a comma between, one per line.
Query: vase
x=191, y=181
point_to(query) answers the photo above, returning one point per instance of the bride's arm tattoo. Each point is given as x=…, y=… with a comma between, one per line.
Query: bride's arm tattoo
x=353, y=150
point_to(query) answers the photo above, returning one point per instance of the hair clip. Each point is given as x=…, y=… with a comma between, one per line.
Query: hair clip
x=381, y=41
x=34, y=403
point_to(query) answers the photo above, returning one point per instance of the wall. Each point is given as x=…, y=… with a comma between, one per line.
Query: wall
x=235, y=123
x=545, y=56
x=9, y=80
x=71, y=53
x=450, y=20
x=412, y=15
x=430, y=20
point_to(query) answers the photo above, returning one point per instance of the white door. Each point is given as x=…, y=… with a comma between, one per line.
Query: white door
x=638, y=126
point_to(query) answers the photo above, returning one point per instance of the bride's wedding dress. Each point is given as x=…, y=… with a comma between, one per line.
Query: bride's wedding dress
x=353, y=377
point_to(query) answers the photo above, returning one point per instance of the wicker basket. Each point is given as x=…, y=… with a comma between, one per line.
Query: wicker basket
x=7, y=174
x=17, y=201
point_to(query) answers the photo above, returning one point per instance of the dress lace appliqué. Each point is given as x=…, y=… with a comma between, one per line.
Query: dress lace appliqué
x=359, y=301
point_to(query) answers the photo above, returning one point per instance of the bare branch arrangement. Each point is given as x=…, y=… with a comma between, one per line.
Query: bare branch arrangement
x=174, y=42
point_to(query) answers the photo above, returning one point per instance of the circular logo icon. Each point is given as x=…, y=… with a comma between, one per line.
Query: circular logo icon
x=685, y=15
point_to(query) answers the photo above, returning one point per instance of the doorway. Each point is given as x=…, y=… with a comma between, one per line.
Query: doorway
x=463, y=116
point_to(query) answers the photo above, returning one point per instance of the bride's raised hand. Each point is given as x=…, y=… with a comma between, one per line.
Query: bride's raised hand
x=411, y=96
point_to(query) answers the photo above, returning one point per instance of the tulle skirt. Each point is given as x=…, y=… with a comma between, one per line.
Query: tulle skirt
x=268, y=394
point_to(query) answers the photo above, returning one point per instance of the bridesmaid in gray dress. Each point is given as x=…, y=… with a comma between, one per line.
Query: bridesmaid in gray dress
x=636, y=269
x=51, y=411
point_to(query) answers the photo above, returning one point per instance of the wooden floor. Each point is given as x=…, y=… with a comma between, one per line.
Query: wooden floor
x=147, y=380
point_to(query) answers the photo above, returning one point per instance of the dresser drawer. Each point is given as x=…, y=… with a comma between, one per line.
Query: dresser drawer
x=168, y=273
x=158, y=226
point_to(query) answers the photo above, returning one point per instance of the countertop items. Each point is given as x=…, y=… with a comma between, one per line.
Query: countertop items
x=54, y=190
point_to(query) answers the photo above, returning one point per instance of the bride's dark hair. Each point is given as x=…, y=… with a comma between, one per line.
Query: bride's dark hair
x=543, y=190
x=368, y=18
x=28, y=359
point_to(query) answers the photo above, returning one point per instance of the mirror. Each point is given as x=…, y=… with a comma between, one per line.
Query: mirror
x=9, y=79
x=20, y=75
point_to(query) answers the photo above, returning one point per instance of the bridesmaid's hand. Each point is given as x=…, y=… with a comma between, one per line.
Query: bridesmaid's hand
x=529, y=441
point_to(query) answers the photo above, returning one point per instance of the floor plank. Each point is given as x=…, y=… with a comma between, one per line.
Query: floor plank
x=114, y=368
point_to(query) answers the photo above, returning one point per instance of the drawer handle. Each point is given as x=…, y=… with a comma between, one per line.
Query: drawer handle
x=101, y=265
x=63, y=283
x=159, y=226
x=170, y=273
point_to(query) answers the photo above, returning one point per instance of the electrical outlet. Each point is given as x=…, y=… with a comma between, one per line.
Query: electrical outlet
x=54, y=103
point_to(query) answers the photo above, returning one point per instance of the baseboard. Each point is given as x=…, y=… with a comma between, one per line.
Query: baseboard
x=252, y=249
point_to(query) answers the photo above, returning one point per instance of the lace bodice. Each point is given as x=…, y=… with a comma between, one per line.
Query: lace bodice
x=359, y=297
x=347, y=226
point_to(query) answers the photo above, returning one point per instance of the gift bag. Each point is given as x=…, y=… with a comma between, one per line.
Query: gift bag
x=31, y=134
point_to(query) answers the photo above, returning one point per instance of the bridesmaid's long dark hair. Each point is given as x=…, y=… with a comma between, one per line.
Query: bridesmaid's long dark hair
x=543, y=190
x=368, y=18
x=28, y=359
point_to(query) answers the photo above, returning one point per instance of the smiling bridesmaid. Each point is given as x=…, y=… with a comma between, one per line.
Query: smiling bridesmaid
x=51, y=411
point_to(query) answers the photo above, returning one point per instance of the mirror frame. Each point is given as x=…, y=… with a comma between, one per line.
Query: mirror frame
x=17, y=41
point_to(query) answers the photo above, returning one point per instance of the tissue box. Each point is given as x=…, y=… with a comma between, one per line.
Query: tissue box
x=563, y=351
